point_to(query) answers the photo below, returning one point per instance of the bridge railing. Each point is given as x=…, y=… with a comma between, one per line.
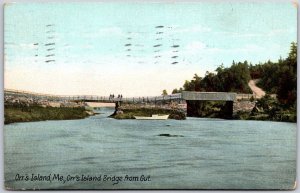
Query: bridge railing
x=249, y=96
x=41, y=96
x=152, y=98
x=245, y=96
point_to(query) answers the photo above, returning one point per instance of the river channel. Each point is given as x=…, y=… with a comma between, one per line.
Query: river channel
x=199, y=153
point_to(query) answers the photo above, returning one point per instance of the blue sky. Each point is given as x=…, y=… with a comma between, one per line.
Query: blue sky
x=137, y=49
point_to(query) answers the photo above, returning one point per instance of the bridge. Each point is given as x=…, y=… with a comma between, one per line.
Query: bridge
x=187, y=96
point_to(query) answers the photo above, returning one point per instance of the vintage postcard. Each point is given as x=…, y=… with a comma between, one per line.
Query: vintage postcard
x=164, y=95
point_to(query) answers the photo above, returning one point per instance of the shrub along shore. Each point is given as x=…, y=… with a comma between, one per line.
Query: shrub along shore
x=13, y=114
x=269, y=109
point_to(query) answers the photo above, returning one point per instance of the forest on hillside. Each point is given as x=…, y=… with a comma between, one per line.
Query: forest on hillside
x=278, y=78
x=274, y=77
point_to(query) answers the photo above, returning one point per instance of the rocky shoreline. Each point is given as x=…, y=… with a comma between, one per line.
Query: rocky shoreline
x=130, y=112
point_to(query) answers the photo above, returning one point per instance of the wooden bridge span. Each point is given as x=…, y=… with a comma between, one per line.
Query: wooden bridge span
x=186, y=96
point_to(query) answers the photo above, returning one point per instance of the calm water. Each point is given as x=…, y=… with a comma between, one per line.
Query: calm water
x=212, y=153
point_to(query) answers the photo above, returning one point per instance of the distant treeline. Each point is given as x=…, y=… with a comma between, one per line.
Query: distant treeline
x=274, y=77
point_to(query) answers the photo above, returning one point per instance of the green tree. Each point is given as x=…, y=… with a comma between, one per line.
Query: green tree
x=281, y=77
x=164, y=92
x=287, y=79
x=175, y=91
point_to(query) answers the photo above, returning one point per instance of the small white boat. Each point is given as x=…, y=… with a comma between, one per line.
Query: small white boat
x=153, y=117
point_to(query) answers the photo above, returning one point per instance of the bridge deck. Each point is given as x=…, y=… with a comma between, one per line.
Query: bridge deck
x=186, y=95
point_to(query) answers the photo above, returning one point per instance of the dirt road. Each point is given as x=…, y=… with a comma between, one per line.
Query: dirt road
x=258, y=92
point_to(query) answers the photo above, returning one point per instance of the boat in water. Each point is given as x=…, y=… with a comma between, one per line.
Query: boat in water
x=153, y=117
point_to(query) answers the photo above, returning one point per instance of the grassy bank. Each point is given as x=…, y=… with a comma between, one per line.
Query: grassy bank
x=130, y=113
x=14, y=114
